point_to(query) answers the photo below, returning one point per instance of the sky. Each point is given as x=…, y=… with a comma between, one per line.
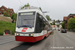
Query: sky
x=57, y=9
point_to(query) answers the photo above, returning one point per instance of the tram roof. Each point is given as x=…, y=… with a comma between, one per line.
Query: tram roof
x=28, y=10
x=32, y=9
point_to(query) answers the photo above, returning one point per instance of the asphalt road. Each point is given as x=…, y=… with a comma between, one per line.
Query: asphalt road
x=56, y=41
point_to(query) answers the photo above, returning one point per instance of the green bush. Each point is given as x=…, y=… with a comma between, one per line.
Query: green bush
x=6, y=14
x=71, y=24
x=1, y=32
x=6, y=26
x=74, y=29
x=57, y=25
x=13, y=16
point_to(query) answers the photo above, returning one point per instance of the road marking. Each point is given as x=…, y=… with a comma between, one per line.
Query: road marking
x=68, y=35
x=53, y=42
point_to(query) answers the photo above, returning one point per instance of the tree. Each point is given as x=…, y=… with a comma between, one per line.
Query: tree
x=53, y=23
x=13, y=16
x=63, y=25
x=6, y=14
x=71, y=24
x=48, y=18
x=57, y=25
x=26, y=5
x=40, y=8
x=58, y=20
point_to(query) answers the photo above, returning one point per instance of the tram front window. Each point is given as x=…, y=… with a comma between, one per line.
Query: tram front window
x=26, y=19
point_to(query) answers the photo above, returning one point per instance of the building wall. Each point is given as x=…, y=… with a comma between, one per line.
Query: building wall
x=3, y=10
x=67, y=18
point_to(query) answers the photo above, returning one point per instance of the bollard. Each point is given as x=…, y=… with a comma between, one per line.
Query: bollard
x=6, y=33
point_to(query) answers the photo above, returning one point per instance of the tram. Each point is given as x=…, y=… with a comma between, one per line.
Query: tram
x=31, y=25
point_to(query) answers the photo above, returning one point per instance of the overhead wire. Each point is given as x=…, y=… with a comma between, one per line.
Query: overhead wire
x=20, y=2
x=38, y=3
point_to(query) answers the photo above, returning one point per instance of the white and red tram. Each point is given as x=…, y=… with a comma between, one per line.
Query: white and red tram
x=31, y=26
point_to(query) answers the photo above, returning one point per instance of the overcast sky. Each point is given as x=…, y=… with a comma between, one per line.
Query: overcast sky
x=57, y=8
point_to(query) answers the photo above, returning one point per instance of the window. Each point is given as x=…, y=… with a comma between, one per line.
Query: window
x=71, y=16
x=11, y=10
x=26, y=19
x=8, y=10
x=2, y=9
x=38, y=26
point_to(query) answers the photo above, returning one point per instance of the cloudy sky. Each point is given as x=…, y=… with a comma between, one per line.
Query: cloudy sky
x=57, y=8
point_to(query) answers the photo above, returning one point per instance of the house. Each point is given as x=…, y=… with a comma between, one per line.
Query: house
x=50, y=21
x=6, y=11
x=58, y=22
x=65, y=21
x=66, y=18
x=53, y=27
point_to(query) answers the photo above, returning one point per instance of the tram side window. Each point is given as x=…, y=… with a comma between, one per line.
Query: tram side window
x=48, y=27
x=39, y=21
x=44, y=23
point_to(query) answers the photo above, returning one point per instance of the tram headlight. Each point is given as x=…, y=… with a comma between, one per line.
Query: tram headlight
x=17, y=34
x=31, y=34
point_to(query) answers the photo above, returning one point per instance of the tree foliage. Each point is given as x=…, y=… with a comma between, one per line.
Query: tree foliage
x=71, y=24
x=26, y=5
x=63, y=25
x=6, y=14
x=48, y=18
x=13, y=16
x=7, y=26
x=53, y=22
x=40, y=8
x=57, y=25
x=58, y=21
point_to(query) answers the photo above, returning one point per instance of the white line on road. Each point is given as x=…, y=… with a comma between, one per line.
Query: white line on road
x=53, y=42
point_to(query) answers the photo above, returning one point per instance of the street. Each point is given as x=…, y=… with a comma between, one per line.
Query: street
x=56, y=41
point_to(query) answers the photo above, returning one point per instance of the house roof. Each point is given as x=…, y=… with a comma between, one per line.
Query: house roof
x=3, y=7
x=74, y=16
x=6, y=8
x=65, y=18
x=71, y=14
x=53, y=25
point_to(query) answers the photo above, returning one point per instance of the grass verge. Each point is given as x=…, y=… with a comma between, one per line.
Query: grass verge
x=6, y=26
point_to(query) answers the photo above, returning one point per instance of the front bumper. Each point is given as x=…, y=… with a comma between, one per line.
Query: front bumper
x=28, y=38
